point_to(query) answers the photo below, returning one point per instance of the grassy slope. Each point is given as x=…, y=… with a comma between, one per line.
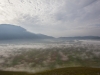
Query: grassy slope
x=61, y=71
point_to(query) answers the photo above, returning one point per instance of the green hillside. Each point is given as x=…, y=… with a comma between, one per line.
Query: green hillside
x=61, y=71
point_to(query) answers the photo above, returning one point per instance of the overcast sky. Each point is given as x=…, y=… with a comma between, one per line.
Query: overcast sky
x=53, y=17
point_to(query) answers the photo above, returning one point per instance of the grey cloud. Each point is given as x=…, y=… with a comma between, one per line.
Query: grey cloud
x=85, y=3
x=75, y=9
x=54, y=17
x=86, y=12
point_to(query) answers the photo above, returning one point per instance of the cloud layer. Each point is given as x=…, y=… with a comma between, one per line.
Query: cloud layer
x=53, y=17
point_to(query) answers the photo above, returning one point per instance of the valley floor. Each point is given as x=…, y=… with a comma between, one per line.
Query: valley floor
x=61, y=71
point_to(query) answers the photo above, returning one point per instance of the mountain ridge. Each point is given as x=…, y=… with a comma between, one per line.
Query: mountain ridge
x=81, y=38
x=8, y=31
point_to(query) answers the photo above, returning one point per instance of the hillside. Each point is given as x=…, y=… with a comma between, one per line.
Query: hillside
x=61, y=71
x=81, y=38
x=10, y=32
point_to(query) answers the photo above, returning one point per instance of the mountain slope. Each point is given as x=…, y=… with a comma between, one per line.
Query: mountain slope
x=9, y=32
x=81, y=38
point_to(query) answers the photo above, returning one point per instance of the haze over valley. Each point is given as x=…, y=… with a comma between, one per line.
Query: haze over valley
x=49, y=37
x=21, y=50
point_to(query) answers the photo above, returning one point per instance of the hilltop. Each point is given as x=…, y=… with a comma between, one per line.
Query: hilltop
x=12, y=32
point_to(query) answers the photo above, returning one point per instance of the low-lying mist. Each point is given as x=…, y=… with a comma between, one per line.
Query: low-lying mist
x=39, y=56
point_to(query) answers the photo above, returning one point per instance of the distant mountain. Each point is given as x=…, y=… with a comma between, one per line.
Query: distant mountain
x=11, y=32
x=81, y=38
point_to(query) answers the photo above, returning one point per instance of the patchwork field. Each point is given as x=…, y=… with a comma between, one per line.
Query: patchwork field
x=40, y=57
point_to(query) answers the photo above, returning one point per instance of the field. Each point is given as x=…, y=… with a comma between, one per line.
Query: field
x=61, y=71
x=40, y=57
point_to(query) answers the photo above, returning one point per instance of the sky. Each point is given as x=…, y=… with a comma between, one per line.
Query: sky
x=58, y=18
